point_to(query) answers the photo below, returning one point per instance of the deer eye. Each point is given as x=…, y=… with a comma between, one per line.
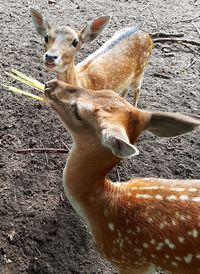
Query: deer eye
x=46, y=38
x=75, y=43
x=76, y=113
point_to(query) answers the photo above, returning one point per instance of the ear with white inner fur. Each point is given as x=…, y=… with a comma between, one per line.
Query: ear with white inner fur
x=93, y=29
x=171, y=124
x=117, y=140
x=41, y=24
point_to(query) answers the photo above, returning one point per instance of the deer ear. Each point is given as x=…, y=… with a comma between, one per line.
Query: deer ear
x=41, y=24
x=166, y=124
x=93, y=29
x=117, y=140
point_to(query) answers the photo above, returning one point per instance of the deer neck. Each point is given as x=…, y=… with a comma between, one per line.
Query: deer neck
x=85, y=176
x=69, y=75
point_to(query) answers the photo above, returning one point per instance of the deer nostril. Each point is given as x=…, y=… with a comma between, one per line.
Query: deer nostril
x=50, y=58
x=55, y=57
x=46, y=85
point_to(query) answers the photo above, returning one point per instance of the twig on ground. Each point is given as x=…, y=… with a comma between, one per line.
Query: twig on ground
x=170, y=54
x=42, y=150
x=161, y=75
x=187, y=20
x=141, y=11
x=191, y=64
x=197, y=29
x=176, y=40
x=65, y=145
x=157, y=25
x=192, y=50
x=145, y=7
x=38, y=250
x=45, y=154
x=166, y=35
x=61, y=197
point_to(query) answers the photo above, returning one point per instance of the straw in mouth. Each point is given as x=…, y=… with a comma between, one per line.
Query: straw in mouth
x=19, y=91
x=28, y=80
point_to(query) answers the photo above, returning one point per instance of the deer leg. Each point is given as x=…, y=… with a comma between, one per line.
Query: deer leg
x=136, y=97
x=139, y=270
x=136, y=86
x=124, y=93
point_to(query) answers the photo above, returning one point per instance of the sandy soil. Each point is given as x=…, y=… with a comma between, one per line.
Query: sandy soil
x=39, y=231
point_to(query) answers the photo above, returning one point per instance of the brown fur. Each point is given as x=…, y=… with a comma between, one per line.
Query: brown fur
x=140, y=223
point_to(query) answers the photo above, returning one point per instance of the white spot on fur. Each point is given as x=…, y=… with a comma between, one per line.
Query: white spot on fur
x=150, y=220
x=149, y=187
x=161, y=225
x=145, y=245
x=196, y=199
x=182, y=217
x=119, y=233
x=192, y=189
x=138, y=229
x=174, y=264
x=158, y=197
x=181, y=239
x=159, y=246
x=111, y=226
x=177, y=189
x=171, y=197
x=145, y=196
x=174, y=222
x=183, y=197
x=170, y=244
x=138, y=251
x=188, y=258
x=178, y=258
x=194, y=233
x=198, y=256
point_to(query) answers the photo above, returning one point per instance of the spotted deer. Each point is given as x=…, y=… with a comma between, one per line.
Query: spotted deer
x=117, y=65
x=140, y=224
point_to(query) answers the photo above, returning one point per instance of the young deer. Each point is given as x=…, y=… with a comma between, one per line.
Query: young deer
x=145, y=222
x=117, y=65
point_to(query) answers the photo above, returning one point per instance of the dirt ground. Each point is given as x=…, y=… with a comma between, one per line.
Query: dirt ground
x=39, y=231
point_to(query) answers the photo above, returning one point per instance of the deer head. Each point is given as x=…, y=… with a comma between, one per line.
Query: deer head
x=110, y=121
x=63, y=43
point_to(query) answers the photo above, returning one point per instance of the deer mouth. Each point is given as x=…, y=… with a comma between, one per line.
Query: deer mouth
x=50, y=64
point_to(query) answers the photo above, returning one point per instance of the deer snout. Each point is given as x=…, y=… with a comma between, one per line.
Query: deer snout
x=50, y=58
x=57, y=90
x=49, y=88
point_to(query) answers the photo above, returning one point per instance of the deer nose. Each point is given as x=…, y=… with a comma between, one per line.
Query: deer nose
x=50, y=57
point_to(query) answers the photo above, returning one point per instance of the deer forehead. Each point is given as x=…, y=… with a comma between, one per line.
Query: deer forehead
x=110, y=111
x=64, y=32
x=102, y=114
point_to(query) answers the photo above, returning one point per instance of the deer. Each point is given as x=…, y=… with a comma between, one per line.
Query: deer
x=140, y=224
x=118, y=64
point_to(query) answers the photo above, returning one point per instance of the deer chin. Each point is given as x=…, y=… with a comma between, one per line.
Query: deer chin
x=50, y=66
x=55, y=66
